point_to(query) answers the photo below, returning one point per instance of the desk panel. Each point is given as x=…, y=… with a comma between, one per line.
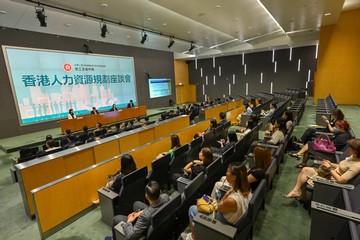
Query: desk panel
x=79, y=160
x=37, y=176
x=106, y=150
x=80, y=190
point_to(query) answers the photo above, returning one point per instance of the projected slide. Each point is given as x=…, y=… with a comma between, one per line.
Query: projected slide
x=159, y=87
x=46, y=84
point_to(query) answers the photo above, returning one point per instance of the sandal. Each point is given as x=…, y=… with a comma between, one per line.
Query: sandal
x=300, y=165
x=291, y=196
x=294, y=155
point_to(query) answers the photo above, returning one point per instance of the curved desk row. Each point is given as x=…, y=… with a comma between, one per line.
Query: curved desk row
x=73, y=194
x=40, y=171
x=213, y=112
x=105, y=118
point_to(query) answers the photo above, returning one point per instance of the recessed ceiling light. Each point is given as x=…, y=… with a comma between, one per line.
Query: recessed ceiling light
x=127, y=36
x=259, y=34
x=148, y=19
x=218, y=6
x=188, y=32
x=250, y=27
x=237, y=19
x=104, y=5
x=164, y=24
x=327, y=14
x=2, y=12
x=67, y=24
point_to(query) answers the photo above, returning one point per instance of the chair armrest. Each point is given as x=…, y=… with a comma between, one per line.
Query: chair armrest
x=352, y=216
x=181, y=183
x=119, y=231
x=107, y=193
x=329, y=134
x=205, y=225
x=332, y=183
x=268, y=145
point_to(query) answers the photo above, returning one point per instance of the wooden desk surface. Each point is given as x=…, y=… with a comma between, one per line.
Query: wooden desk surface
x=105, y=118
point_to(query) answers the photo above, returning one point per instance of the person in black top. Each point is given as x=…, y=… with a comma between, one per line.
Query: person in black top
x=64, y=139
x=94, y=111
x=195, y=167
x=84, y=135
x=113, y=108
x=222, y=116
x=127, y=165
x=225, y=145
x=130, y=104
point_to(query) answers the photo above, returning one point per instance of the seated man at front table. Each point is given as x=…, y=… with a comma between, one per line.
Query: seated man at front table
x=94, y=111
x=130, y=104
x=137, y=223
x=113, y=108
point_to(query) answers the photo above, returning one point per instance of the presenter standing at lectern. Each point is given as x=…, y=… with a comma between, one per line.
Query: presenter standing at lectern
x=71, y=114
x=94, y=111
x=113, y=108
x=130, y=104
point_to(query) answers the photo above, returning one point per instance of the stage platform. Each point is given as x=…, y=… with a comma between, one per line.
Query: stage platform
x=14, y=144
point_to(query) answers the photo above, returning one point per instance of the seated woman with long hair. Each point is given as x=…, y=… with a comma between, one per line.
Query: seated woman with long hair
x=233, y=204
x=339, y=139
x=127, y=165
x=262, y=160
x=175, y=144
x=341, y=173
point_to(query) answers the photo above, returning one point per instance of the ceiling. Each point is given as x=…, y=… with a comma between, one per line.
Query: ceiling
x=217, y=27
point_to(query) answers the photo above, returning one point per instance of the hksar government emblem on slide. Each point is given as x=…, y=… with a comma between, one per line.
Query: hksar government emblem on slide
x=67, y=67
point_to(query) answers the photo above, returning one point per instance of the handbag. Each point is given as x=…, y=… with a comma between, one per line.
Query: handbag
x=323, y=145
x=206, y=204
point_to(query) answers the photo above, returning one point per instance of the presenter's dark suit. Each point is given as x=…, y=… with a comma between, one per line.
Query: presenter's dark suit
x=130, y=105
x=113, y=109
x=96, y=112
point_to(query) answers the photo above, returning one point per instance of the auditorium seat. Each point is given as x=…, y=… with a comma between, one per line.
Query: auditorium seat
x=177, y=163
x=195, y=147
x=160, y=171
x=133, y=189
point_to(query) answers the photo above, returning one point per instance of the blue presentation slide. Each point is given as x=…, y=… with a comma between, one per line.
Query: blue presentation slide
x=159, y=87
x=46, y=84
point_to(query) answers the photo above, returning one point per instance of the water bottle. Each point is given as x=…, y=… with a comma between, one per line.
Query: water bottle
x=218, y=195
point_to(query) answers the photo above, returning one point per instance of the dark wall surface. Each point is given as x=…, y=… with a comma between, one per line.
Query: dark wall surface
x=156, y=63
x=240, y=71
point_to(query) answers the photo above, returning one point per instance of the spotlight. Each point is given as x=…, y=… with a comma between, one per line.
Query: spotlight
x=104, y=29
x=40, y=15
x=171, y=42
x=191, y=47
x=144, y=37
